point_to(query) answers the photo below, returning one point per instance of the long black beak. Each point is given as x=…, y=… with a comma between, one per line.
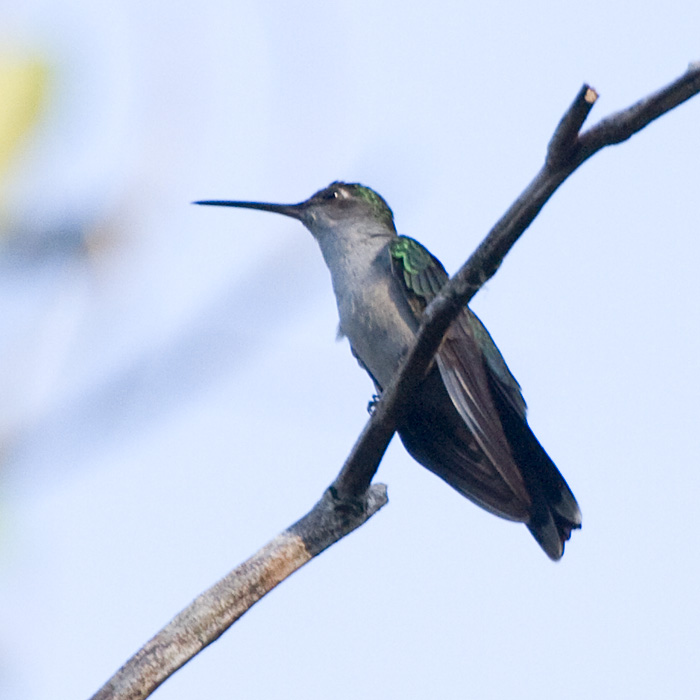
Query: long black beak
x=296, y=211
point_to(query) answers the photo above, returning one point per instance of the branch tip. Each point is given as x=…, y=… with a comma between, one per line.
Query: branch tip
x=591, y=95
x=564, y=141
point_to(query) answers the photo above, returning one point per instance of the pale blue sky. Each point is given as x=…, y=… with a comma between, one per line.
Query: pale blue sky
x=173, y=397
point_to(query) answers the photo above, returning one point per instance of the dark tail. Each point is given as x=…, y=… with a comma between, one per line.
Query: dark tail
x=555, y=512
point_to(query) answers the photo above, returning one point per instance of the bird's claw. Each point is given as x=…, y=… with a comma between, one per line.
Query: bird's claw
x=373, y=403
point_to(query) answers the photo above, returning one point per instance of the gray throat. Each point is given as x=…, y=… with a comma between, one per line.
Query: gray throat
x=374, y=315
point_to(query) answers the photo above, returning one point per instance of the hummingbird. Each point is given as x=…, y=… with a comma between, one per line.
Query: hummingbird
x=467, y=420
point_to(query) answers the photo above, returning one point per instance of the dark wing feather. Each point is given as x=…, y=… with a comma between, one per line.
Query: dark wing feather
x=466, y=376
x=503, y=382
x=490, y=455
x=437, y=437
x=465, y=371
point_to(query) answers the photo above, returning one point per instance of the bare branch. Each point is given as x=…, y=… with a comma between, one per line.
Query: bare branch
x=567, y=150
x=350, y=501
x=564, y=140
x=215, y=610
x=620, y=126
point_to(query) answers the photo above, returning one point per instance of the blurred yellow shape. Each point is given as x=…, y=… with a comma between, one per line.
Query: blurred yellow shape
x=23, y=88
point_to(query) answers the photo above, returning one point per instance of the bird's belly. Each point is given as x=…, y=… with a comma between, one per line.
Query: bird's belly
x=379, y=330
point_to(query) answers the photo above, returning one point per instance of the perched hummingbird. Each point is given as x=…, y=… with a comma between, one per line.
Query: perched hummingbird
x=467, y=422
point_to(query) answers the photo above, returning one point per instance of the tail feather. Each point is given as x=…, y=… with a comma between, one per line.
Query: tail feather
x=435, y=434
x=555, y=512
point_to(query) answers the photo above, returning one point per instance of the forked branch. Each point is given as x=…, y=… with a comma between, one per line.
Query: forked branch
x=567, y=150
x=351, y=500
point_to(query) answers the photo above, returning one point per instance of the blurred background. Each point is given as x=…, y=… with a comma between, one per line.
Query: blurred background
x=172, y=396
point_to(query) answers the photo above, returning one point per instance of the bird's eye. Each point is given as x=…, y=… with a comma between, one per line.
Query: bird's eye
x=330, y=194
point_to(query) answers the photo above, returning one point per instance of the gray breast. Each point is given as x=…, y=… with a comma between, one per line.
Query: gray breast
x=375, y=318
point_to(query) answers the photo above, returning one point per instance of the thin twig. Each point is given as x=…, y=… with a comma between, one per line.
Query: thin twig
x=564, y=141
